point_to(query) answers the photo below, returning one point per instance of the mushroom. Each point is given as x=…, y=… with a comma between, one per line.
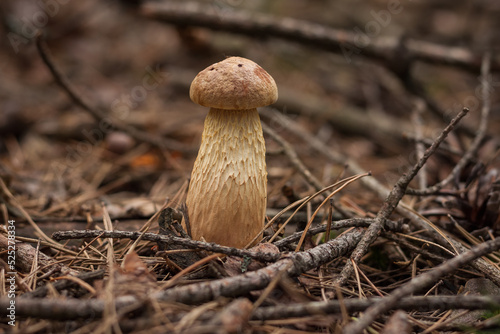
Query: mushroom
x=227, y=194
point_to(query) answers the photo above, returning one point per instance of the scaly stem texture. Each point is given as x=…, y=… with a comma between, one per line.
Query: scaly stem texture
x=227, y=193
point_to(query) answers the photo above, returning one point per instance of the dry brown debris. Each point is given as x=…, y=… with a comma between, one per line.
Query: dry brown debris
x=98, y=138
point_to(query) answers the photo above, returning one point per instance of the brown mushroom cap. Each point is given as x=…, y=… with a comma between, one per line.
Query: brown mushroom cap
x=234, y=83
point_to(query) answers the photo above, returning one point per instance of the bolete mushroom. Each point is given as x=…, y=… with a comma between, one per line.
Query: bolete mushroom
x=227, y=194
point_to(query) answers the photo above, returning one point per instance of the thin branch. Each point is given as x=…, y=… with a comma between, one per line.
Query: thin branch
x=419, y=303
x=478, y=140
x=419, y=250
x=419, y=146
x=98, y=114
x=294, y=158
x=72, y=308
x=417, y=89
x=386, y=49
x=481, y=265
x=418, y=222
x=188, y=243
x=419, y=283
x=295, y=264
x=26, y=253
x=346, y=223
x=64, y=284
x=392, y=201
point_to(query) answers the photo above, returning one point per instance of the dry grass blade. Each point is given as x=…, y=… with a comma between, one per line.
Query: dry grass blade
x=171, y=282
x=307, y=200
x=272, y=285
x=23, y=212
x=420, y=282
x=345, y=184
x=146, y=228
x=432, y=226
x=80, y=282
x=424, y=241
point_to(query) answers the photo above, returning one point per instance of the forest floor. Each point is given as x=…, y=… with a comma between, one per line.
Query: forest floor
x=383, y=146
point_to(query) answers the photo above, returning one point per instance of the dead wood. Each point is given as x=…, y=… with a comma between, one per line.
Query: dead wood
x=26, y=255
x=319, y=36
x=64, y=284
x=99, y=115
x=382, y=192
x=188, y=243
x=478, y=139
x=417, y=303
x=392, y=201
x=420, y=282
x=71, y=309
x=295, y=264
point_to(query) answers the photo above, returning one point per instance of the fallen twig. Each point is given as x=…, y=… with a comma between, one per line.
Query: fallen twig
x=256, y=280
x=418, y=303
x=420, y=282
x=188, y=243
x=98, y=114
x=336, y=225
x=372, y=183
x=25, y=253
x=346, y=223
x=65, y=284
x=478, y=140
x=294, y=158
x=71, y=309
x=386, y=49
x=392, y=201
x=295, y=264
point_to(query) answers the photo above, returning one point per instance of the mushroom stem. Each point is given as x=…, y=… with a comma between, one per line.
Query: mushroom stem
x=227, y=192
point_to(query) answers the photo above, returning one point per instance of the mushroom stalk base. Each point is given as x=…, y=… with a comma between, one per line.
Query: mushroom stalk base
x=228, y=189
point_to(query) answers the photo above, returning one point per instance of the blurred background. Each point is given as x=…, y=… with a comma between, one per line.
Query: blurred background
x=60, y=161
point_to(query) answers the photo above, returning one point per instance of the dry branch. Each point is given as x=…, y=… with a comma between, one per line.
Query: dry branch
x=64, y=284
x=294, y=158
x=478, y=140
x=70, y=309
x=419, y=303
x=26, y=253
x=418, y=222
x=392, y=201
x=341, y=224
x=346, y=223
x=392, y=51
x=188, y=243
x=420, y=282
x=296, y=264
x=100, y=115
